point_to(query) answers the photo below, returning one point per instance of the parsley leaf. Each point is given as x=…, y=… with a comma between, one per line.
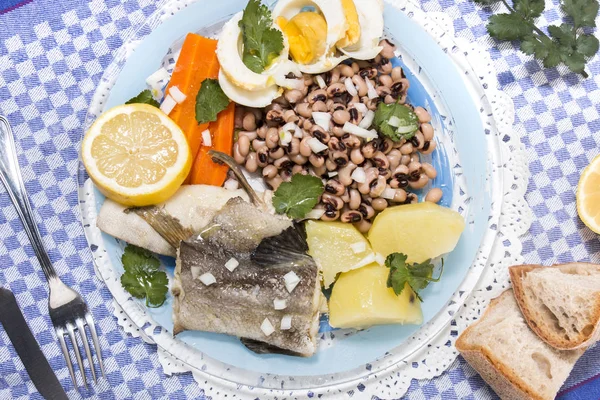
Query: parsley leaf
x=406, y=119
x=210, y=101
x=145, y=97
x=142, y=279
x=298, y=197
x=417, y=275
x=262, y=42
x=565, y=44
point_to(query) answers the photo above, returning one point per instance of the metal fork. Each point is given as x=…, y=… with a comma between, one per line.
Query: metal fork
x=68, y=311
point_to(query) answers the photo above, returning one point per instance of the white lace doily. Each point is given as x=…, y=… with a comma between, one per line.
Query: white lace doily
x=390, y=376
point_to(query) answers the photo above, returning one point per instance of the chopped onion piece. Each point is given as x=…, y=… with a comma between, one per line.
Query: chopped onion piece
x=206, y=139
x=267, y=327
x=316, y=213
x=394, y=121
x=358, y=248
x=286, y=323
x=168, y=104
x=367, y=121
x=297, y=84
x=372, y=93
x=379, y=259
x=359, y=175
x=406, y=129
x=291, y=281
x=290, y=288
x=280, y=304
x=361, y=107
x=177, y=94
x=208, y=279
x=161, y=75
x=289, y=127
x=388, y=193
x=195, y=272
x=322, y=119
x=285, y=138
x=358, y=131
x=298, y=134
x=316, y=146
x=232, y=264
x=350, y=87
x=231, y=184
x=321, y=82
x=332, y=174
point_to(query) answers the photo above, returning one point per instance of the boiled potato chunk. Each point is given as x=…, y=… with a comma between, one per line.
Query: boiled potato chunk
x=421, y=231
x=360, y=298
x=329, y=244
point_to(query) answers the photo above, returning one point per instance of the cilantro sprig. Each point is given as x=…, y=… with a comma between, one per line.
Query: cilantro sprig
x=567, y=43
x=262, y=42
x=145, y=97
x=405, y=123
x=298, y=197
x=210, y=101
x=417, y=276
x=142, y=279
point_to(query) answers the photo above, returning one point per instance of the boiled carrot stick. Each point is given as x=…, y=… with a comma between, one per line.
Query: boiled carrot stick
x=204, y=170
x=197, y=62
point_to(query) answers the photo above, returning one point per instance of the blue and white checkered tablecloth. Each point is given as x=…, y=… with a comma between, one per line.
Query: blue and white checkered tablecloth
x=52, y=55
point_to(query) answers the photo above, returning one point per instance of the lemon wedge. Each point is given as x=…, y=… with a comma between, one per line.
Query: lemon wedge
x=136, y=155
x=588, y=196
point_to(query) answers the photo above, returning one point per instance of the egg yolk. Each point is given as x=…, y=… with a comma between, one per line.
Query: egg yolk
x=307, y=35
x=353, y=31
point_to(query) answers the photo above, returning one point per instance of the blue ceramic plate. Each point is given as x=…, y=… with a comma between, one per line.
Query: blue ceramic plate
x=461, y=160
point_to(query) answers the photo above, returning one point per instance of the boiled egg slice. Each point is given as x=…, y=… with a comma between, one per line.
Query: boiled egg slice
x=249, y=98
x=312, y=28
x=229, y=53
x=370, y=17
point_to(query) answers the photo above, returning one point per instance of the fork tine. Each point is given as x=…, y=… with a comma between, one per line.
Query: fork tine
x=77, y=355
x=60, y=332
x=92, y=327
x=86, y=346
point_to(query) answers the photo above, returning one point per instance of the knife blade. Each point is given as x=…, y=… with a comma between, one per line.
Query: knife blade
x=28, y=349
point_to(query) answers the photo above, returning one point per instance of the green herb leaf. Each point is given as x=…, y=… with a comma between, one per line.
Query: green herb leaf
x=210, y=101
x=563, y=35
x=587, y=45
x=262, y=42
x=575, y=62
x=142, y=279
x=417, y=275
x=508, y=27
x=530, y=9
x=145, y=97
x=583, y=12
x=298, y=197
x=408, y=121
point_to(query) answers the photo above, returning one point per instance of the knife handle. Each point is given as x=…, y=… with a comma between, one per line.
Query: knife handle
x=10, y=174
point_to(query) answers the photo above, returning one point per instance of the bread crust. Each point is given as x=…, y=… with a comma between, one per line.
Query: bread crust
x=503, y=380
x=517, y=272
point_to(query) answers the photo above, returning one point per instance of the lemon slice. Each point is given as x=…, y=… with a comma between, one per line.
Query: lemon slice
x=136, y=155
x=588, y=196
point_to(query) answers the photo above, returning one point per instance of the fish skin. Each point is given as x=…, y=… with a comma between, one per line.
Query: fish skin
x=193, y=205
x=239, y=301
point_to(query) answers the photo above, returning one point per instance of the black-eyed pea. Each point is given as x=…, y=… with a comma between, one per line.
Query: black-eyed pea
x=372, y=175
x=394, y=157
x=434, y=195
x=283, y=163
x=251, y=162
x=263, y=157
x=317, y=161
x=388, y=49
x=405, y=159
x=304, y=109
x=366, y=210
x=345, y=174
x=429, y=147
x=340, y=117
x=270, y=171
x=240, y=159
x=293, y=96
x=420, y=183
x=422, y=114
x=379, y=187
x=364, y=226
x=346, y=70
x=356, y=156
x=258, y=144
x=407, y=148
x=243, y=145
x=429, y=170
x=355, y=199
x=386, y=80
x=399, y=196
x=334, y=187
x=334, y=200
x=290, y=116
x=361, y=85
x=249, y=122
x=397, y=74
x=330, y=165
x=277, y=153
x=379, y=204
x=305, y=149
x=331, y=214
x=299, y=159
x=427, y=130
x=272, y=138
x=274, y=182
x=351, y=216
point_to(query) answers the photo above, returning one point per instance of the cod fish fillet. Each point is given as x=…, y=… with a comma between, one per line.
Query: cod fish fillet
x=193, y=207
x=267, y=248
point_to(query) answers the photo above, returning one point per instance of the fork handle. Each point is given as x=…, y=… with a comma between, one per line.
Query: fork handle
x=11, y=177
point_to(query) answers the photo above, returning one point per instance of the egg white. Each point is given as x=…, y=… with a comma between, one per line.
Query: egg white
x=249, y=98
x=370, y=18
x=230, y=59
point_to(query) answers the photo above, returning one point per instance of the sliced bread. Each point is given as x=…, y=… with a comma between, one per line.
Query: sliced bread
x=560, y=303
x=510, y=357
